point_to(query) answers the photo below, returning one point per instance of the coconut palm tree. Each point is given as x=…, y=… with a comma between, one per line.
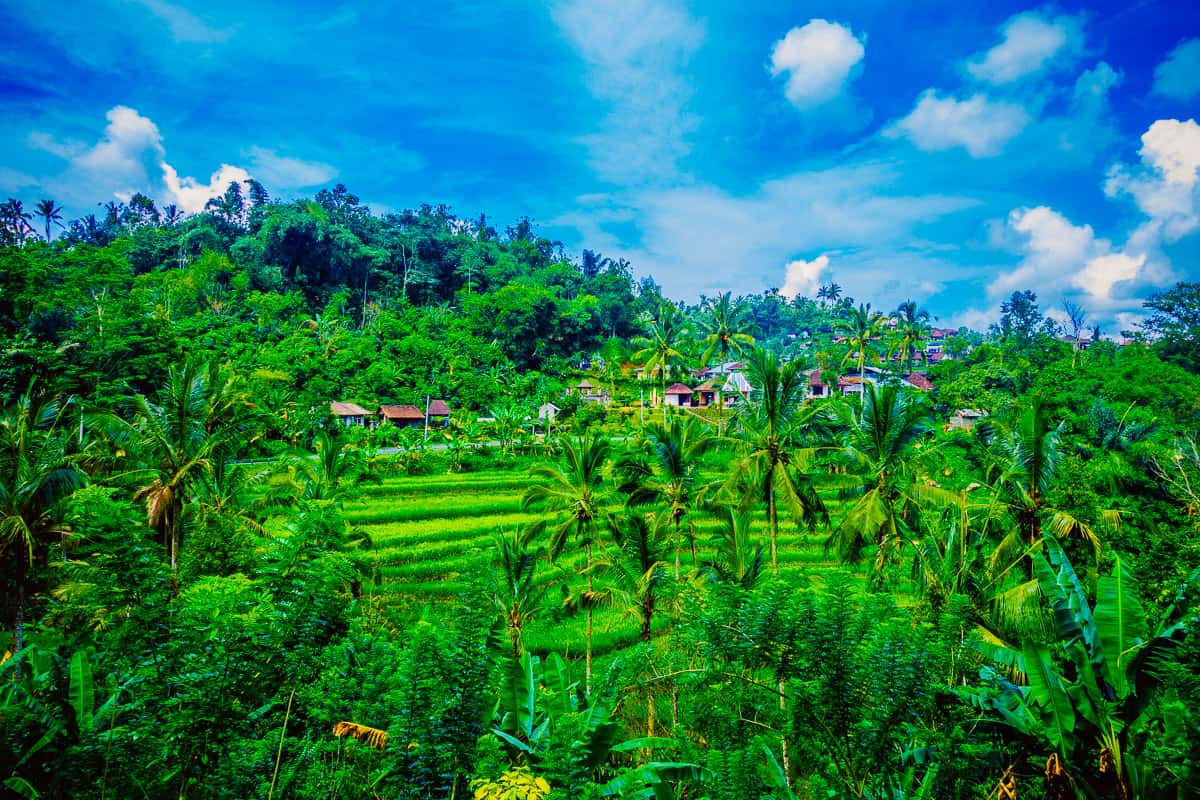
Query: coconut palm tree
x=513, y=589
x=200, y=416
x=35, y=474
x=633, y=568
x=880, y=436
x=665, y=473
x=662, y=349
x=912, y=326
x=770, y=429
x=1027, y=460
x=574, y=495
x=49, y=212
x=14, y=222
x=859, y=327
x=725, y=325
x=335, y=464
x=739, y=557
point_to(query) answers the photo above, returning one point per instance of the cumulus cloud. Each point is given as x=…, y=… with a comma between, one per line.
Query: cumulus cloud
x=191, y=195
x=1059, y=256
x=819, y=59
x=979, y=125
x=636, y=54
x=1102, y=273
x=130, y=157
x=803, y=277
x=124, y=161
x=1178, y=76
x=1166, y=186
x=1030, y=42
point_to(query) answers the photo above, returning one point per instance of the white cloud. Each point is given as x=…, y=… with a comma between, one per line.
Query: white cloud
x=191, y=195
x=1166, y=187
x=1030, y=42
x=819, y=59
x=121, y=163
x=1059, y=257
x=979, y=125
x=286, y=172
x=975, y=319
x=1173, y=148
x=185, y=26
x=1102, y=273
x=803, y=277
x=130, y=157
x=1178, y=76
x=636, y=53
x=702, y=239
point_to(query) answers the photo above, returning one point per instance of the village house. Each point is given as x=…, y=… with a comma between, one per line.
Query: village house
x=402, y=416
x=964, y=419
x=678, y=395
x=852, y=384
x=349, y=414
x=439, y=413
x=736, y=389
x=588, y=393
x=707, y=393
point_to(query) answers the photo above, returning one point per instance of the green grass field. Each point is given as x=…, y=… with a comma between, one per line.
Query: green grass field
x=432, y=541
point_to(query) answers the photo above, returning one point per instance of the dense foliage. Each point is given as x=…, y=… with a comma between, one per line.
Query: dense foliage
x=194, y=606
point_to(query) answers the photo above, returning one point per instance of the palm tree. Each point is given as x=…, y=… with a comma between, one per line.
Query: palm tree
x=201, y=414
x=725, y=324
x=514, y=591
x=859, y=326
x=575, y=492
x=879, y=439
x=770, y=428
x=48, y=211
x=14, y=222
x=335, y=463
x=739, y=558
x=1028, y=459
x=630, y=574
x=912, y=326
x=171, y=214
x=666, y=473
x=661, y=350
x=633, y=569
x=831, y=292
x=35, y=474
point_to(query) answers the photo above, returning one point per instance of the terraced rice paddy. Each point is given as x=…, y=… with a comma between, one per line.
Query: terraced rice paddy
x=432, y=541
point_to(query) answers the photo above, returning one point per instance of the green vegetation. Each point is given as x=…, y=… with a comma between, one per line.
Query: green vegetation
x=212, y=588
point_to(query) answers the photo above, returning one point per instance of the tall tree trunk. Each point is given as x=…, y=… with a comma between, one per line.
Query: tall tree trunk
x=773, y=521
x=587, y=670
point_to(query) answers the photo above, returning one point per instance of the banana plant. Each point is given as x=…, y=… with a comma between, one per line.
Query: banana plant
x=25, y=698
x=535, y=699
x=1088, y=696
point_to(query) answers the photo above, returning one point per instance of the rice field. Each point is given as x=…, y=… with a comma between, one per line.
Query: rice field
x=432, y=540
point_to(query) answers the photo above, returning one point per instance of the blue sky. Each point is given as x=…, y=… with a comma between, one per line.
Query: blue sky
x=948, y=151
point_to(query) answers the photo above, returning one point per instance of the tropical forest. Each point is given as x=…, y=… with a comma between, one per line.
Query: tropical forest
x=298, y=500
